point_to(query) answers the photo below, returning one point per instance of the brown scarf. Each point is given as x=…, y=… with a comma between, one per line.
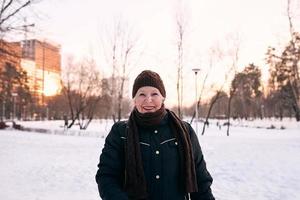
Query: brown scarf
x=135, y=182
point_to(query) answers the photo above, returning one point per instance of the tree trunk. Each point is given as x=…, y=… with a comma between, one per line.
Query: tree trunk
x=178, y=93
x=297, y=112
x=209, y=111
x=228, y=113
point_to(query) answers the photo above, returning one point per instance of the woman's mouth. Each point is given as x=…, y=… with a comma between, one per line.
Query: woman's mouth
x=148, y=108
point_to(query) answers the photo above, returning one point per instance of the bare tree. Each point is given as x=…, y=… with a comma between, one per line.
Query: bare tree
x=120, y=50
x=12, y=20
x=181, y=26
x=82, y=87
x=9, y=14
x=215, y=55
x=290, y=17
x=219, y=94
x=235, y=41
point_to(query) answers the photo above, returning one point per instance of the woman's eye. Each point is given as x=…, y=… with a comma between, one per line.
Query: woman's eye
x=154, y=94
x=142, y=94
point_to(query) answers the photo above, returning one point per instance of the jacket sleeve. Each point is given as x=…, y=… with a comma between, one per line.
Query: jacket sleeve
x=204, y=179
x=110, y=172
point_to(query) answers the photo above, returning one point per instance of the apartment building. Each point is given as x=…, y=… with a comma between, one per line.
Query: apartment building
x=40, y=59
x=10, y=54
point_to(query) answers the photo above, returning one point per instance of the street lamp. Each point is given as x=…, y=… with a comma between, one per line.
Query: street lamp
x=196, y=70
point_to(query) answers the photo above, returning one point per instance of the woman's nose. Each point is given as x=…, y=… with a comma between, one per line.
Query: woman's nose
x=148, y=98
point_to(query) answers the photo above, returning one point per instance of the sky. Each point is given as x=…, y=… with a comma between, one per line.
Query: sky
x=80, y=27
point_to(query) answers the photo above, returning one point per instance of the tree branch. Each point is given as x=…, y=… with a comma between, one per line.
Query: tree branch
x=13, y=13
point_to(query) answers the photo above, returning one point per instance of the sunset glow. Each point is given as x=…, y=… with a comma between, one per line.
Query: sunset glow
x=52, y=86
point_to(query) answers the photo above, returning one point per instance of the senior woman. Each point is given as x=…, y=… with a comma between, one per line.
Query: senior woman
x=154, y=155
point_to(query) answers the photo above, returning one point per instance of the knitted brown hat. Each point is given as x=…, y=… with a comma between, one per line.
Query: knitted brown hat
x=148, y=78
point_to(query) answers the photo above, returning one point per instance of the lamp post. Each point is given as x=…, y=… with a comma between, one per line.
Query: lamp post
x=196, y=70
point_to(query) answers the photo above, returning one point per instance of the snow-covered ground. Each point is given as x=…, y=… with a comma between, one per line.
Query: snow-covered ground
x=252, y=163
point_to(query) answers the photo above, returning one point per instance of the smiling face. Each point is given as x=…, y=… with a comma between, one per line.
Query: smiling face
x=148, y=99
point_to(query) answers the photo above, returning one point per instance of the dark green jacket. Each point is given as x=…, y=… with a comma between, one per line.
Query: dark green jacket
x=160, y=157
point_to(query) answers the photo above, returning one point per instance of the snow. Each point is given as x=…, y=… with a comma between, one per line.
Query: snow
x=264, y=166
x=252, y=163
x=43, y=167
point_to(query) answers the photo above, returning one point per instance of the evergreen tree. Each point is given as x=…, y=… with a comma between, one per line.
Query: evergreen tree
x=284, y=74
x=248, y=94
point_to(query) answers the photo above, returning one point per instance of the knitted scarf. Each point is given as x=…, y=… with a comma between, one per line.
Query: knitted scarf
x=135, y=181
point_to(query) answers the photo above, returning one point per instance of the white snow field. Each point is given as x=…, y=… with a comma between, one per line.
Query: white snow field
x=252, y=163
